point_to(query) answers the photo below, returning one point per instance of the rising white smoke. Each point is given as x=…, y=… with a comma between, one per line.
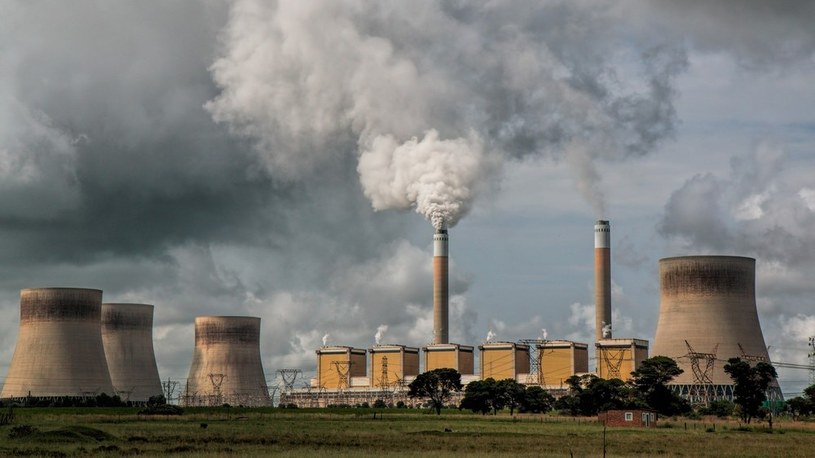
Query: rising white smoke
x=490, y=336
x=326, y=339
x=431, y=97
x=380, y=332
x=606, y=330
x=544, y=334
x=438, y=178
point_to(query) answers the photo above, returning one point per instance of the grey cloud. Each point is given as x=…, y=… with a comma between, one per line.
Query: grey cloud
x=762, y=36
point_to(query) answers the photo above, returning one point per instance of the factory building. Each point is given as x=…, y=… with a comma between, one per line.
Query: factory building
x=338, y=365
x=617, y=358
x=503, y=360
x=560, y=359
x=707, y=314
x=393, y=365
x=127, y=336
x=453, y=356
x=59, y=351
x=226, y=365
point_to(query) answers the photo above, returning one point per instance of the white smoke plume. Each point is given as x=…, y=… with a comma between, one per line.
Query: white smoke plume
x=431, y=97
x=380, y=332
x=490, y=336
x=326, y=339
x=544, y=334
x=437, y=177
x=606, y=330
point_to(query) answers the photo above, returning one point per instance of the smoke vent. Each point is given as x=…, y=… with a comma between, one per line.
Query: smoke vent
x=59, y=349
x=441, y=330
x=707, y=311
x=127, y=335
x=226, y=365
x=602, y=280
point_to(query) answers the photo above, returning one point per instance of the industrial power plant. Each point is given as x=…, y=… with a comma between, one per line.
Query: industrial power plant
x=71, y=345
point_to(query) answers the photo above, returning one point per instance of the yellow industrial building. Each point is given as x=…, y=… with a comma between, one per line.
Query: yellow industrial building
x=453, y=356
x=393, y=365
x=617, y=358
x=503, y=360
x=336, y=365
x=560, y=359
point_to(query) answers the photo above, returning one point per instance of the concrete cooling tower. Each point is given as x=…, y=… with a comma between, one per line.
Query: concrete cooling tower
x=707, y=314
x=59, y=351
x=226, y=366
x=127, y=334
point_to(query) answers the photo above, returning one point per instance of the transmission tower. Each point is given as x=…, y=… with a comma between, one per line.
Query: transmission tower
x=343, y=383
x=702, y=384
x=217, y=380
x=289, y=376
x=383, y=379
x=811, y=356
x=613, y=361
x=752, y=359
x=535, y=376
x=169, y=388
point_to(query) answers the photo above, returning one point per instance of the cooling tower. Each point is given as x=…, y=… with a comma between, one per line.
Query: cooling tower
x=602, y=280
x=441, y=331
x=226, y=366
x=59, y=349
x=708, y=304
x=127, y=334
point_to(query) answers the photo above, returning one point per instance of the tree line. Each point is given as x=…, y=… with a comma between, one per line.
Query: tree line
x=588, y=394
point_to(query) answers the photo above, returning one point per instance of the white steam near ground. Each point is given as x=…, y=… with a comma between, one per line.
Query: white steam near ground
x=257, y=158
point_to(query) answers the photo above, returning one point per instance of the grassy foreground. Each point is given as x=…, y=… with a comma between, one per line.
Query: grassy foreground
x=355, y=432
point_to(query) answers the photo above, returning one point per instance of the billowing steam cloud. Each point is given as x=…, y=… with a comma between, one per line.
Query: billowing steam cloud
x=380, y=332
x=430, y=97
x=436, y=177
x=490, y=336
x=544, y=334
x=326, y=338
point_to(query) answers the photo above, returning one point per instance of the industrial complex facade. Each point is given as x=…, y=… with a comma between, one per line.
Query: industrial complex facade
x=70, y=344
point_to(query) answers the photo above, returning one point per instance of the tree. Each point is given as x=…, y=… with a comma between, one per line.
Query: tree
x=720, y=407
x=536, y=400
x=512, y=393
x=651, y=382
x=802, y=406
x=749, y=385
x=799, y=407
x=436, y=385
x=482, y=396
x=590, y=394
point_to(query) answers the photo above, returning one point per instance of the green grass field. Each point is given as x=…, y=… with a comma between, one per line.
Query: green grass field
x=355, y=432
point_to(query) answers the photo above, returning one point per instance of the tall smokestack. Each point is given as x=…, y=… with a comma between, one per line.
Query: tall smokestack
x=602, y=280
x=441, y=331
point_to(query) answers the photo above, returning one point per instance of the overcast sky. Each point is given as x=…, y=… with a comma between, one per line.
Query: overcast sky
x=286, y=159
